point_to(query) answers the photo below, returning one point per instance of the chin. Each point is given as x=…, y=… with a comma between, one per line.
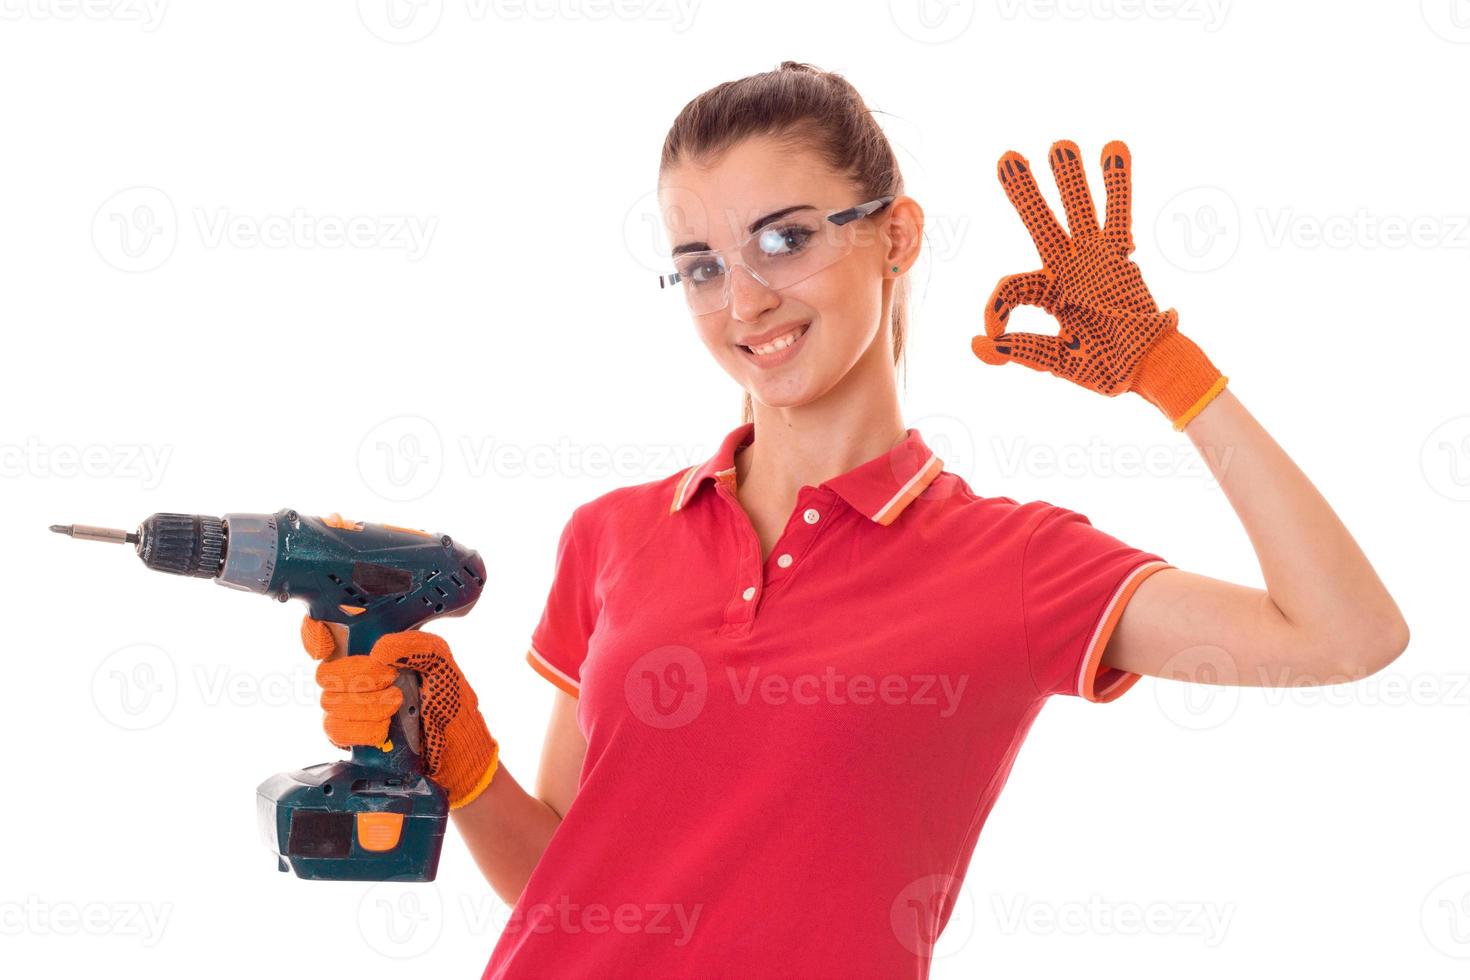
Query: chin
x=783, y=395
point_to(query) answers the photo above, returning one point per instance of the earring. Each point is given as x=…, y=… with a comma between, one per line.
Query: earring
x=895, y=268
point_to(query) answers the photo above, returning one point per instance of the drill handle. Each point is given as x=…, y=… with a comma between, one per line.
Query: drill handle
x=402, y=753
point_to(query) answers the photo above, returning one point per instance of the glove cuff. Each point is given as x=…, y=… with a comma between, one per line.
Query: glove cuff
x=466, y=772
x=1177, y=378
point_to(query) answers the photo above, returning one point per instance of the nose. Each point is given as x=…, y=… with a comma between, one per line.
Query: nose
x=748, y=293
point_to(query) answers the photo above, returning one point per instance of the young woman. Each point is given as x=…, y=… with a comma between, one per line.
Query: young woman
x=792, y=680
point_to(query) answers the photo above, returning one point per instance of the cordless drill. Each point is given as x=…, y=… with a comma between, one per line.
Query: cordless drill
x=375, y=816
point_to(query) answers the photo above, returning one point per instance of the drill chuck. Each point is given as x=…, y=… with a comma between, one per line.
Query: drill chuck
x=183, y=544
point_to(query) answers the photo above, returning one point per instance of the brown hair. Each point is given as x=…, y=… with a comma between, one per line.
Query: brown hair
x=802, y=105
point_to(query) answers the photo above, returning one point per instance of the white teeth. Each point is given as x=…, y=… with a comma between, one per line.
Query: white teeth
x=780, y=343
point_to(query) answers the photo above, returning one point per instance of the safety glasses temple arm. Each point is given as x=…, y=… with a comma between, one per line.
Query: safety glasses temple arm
x=860, y=210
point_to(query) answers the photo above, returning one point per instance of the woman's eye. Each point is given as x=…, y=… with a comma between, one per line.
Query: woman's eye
x=784, y=241
x=700, y=272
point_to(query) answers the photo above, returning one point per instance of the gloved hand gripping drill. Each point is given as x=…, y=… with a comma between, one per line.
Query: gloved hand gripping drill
x=396, y=697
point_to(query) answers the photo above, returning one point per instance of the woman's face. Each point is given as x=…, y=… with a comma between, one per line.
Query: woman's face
x=837, y=312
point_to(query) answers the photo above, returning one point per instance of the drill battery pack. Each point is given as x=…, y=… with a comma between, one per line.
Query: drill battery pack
x=340, y=821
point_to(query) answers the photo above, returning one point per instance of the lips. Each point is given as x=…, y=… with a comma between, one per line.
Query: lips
x=765, y=338
x=774, y=360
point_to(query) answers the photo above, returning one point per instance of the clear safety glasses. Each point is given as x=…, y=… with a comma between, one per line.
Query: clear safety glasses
x=785, y=252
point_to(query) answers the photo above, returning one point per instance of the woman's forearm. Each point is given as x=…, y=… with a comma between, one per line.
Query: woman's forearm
x=506, y=830
x=1315, y=573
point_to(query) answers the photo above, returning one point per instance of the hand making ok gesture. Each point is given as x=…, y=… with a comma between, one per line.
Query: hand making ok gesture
x=1112, y=336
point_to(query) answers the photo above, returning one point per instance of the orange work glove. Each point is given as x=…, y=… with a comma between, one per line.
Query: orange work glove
x=359, y=696
x=1112, y=337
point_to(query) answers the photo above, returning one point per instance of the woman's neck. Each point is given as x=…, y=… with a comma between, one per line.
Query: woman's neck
x=781, y=460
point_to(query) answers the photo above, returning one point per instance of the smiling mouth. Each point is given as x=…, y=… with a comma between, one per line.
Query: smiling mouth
x=780, y=343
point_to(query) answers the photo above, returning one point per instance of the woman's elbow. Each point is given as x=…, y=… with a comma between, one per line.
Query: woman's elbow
x=1379, y=647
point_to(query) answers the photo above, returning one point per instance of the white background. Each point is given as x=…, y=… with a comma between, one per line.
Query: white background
x=1299, y=197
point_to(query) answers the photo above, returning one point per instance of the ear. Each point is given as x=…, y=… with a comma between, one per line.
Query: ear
x=904, y=234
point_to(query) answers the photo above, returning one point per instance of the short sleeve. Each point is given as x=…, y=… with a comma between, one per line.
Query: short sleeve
x=559, y=641
x=1075, y=582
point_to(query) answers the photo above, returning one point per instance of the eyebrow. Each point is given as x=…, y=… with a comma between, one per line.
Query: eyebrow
x=754, y=227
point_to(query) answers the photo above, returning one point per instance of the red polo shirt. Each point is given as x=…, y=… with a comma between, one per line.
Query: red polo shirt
x=789, y=761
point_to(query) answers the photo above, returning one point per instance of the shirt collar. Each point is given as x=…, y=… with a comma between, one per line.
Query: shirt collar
x=879, y=489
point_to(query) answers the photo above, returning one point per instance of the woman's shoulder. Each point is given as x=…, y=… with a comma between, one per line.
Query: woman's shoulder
x=957, y=512
x=950, y=497
x=631, y=506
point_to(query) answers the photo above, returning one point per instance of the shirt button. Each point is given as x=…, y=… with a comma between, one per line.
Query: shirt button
x=784, y=561
x=811, y=515
x=749, y=593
